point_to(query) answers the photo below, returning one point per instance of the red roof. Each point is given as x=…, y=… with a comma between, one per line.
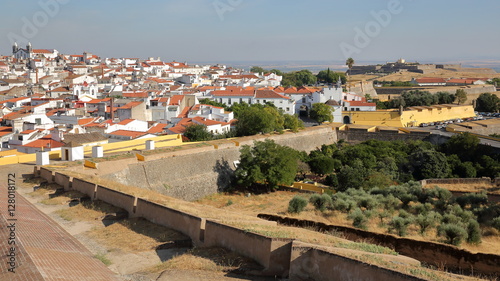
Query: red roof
x=46, y=142
x=361, y=103
x=126, y=133
x=131, y=104
x=142, y=94
x=157, y=129
x=87, y=121
x=125, y=122
x=431, y=80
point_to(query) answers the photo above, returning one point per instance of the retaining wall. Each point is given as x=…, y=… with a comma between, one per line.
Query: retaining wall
x=278, y=256
x=208, y=169
x=63, y=180
x=355, y=137
x=428, y=252
x=116, y=198
x=187, y=224
x=47, y=174
x=483, y=181
x=272, y=253
x=84, y=187
x=309, y=263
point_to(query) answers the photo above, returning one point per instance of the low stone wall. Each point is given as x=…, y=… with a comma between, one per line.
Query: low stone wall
x=187, y=224
x=116, y=198
x=355, y=137
x=63, y=180
x=309, y=263
x=272, y=253
x=428, y=252
x=47, y=174
x=483, y=181
x=84, y=187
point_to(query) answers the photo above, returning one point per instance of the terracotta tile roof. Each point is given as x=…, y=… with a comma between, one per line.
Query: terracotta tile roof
x=184, y=113
x=431, y=80
x=141, y=94
x=157, y=129
x=131, y=104
x=269, y=94
x=86, y=121
x=233, y=93
x=126, y=133
x=26, y=132
x=125, y=122
x=46, y=142
x=42, y=51
x=176, y=100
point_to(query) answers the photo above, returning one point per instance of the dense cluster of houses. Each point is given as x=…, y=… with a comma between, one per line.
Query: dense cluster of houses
x=49, y=99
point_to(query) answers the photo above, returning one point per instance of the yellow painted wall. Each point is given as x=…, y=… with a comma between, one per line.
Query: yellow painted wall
x=409, y=118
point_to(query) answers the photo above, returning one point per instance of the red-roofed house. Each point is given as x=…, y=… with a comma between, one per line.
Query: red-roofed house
x=128, y=125
x=43, y=144
x=428, y=81
x=214, y=127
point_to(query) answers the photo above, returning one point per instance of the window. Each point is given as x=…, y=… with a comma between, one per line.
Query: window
x=241, y=100
x=288, y=109
x=20, y=138
x=249, y=101
x=229, y=101
x=357, y=109
x=304, y=100
x=264, y=101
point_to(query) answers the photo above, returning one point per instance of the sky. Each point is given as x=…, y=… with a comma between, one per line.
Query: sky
x=258, y=30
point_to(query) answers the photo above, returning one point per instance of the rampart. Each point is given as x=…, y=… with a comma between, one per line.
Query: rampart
x=482, y=181
x=427, y=252
x=310, y=263
x=209, y=168
x=280, y=257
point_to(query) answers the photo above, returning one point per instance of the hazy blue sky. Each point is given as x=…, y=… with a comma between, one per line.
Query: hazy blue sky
x=257, y=30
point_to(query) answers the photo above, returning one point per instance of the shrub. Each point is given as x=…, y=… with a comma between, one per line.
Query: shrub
x=422, y=208
x=367, y=202
x=391, y=202
x=400, y=225
x=426, y=221
x=453, y=233
x=495, y=223
x=321, y=202
x=473, y=232
x=359, y=219
x=297, y=204
x=473, y=199
x=343, y=205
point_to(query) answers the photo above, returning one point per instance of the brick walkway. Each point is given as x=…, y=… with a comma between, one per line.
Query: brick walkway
x=44, y=250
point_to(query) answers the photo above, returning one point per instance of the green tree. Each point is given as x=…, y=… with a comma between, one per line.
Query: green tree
x=321, y=202
x=292, y=122
x=321, y=112
x=461, y=96
x=453, y=233
x=267, y=163
x=429, y=164
x=257, y=69
x=214, y=103
x=328, y=76
x=197, y=132
x=488, y=102
x=464, y=145
x=322, y=165
x=445, y=97
x=349, y=62
x=276, y=71
x=254, y=120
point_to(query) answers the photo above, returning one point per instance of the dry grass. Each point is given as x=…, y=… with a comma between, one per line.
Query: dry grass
x=492, y=189
x=88, y=211
x=134, y=235
x=63, y=198
x=277, y=203
x=207, y=259
x=407, y=76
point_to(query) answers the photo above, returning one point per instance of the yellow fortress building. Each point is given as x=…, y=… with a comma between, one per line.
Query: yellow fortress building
x=409, y=117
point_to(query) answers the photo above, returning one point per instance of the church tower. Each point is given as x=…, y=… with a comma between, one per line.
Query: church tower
x=15, y=48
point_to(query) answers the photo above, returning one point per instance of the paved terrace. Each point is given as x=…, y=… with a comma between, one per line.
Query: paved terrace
x=44, y=250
